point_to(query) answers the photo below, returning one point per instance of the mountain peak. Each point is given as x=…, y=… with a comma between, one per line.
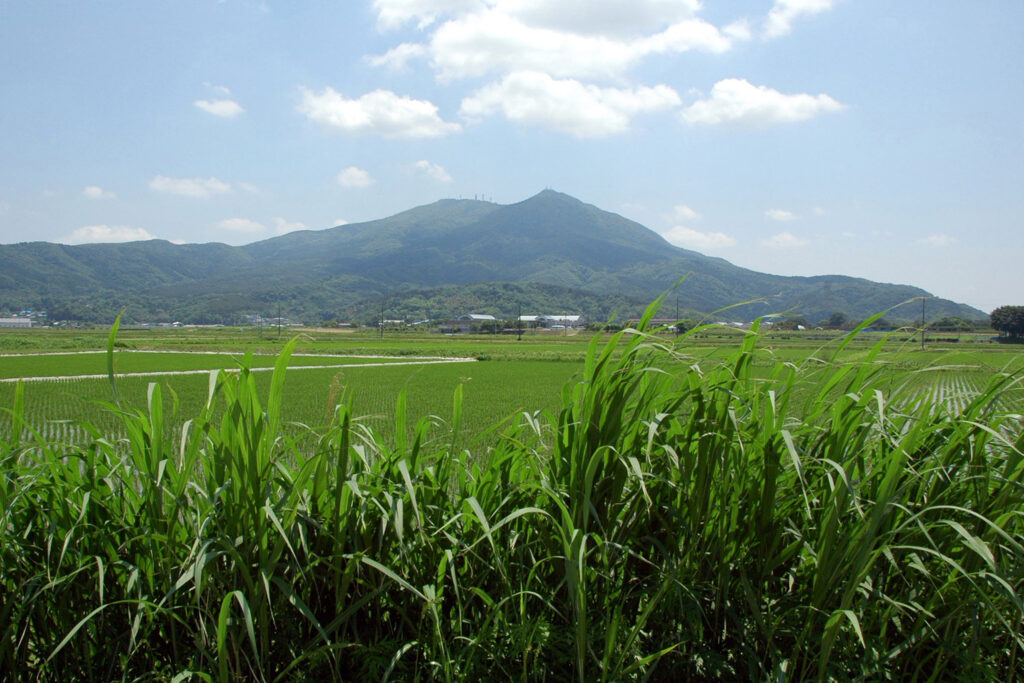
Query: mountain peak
x=548, y=194
x=551, y=238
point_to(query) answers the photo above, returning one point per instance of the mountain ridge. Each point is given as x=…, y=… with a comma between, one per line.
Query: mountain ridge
x=550, y=239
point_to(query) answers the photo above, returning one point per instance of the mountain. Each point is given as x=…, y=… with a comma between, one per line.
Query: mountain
x=547, y=249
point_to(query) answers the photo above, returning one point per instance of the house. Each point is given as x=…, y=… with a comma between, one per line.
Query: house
x=559, y=322
x=472, y=322
x=553, y=322
x=16, y=322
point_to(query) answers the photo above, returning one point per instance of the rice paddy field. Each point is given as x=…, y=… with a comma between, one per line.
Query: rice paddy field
x=725, y=505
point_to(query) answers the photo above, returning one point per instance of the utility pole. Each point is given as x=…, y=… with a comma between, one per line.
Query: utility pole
x=382, y=317
x=519, y=323
x=278, y=319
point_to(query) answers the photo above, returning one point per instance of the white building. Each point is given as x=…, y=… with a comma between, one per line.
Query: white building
x=556, y=322
x=466, y=323
x=15, y=322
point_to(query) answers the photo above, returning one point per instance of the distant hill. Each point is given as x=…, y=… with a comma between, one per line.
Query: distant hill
x=431, y=261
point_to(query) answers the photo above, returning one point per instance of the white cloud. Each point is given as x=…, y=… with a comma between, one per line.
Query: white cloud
x=938, y=240
x=219, y=89
x=397, y=58
x=494, y=41
x=395, y=13
x=602, y=17
x=227, y=109
x=785, y=12
x=688, y=238
x=282, y=226
x=736, y=101
x=581, y=16
x=818, y=211
x=685, y=213
x=693, y=34
x=339, y=221
x=435, y=171
x=248, y=187
x=355, y=177
x=106, y=234
x=97, y=192
x=567, y=106
x=739, y=30
x=241, y=225
x=780, y=215
x=783, y=240
x=202, y=188
x=380, y=112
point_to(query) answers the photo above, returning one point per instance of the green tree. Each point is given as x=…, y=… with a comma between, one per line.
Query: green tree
x=1008, y=320
x=836, y=320
x=950, y=324
x=792, y=323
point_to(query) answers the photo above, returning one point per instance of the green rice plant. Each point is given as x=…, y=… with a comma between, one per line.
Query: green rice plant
x=671, y=519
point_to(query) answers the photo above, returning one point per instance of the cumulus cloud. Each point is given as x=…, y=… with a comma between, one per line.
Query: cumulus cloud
x=605, y=17
x=355, y=177
x=938, y=240
x=227, y=109
x=397, y=58
x=783, y=240
x=222, y=90
x=688, y=238
x=393, y=14
x=490, y=42
x=97, y=192
x=495, y=42
x=736, y=101
x=567, y=105
x=780, y=215
x=685, y=213
x=339, y=221
x=282, y=226
x=739, y=30
x=380, y=112
x=201, y=188
x=435, y=171
x=106, y=233
x=784, y=12
x=585, y=16
x=241, y=225
x=692, y=34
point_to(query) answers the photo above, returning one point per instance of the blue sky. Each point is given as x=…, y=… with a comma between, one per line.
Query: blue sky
x=871, y=138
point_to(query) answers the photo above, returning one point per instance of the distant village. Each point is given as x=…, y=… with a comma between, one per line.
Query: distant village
x=469, y=323
x=484, y=323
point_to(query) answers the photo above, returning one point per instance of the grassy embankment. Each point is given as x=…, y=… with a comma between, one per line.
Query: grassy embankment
x=672, y=519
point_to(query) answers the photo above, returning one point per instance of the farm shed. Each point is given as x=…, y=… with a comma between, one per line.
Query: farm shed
x=465, y=323
x=15, y=322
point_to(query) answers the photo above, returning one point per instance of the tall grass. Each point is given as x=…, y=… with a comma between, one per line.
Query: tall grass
x=666, y=523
